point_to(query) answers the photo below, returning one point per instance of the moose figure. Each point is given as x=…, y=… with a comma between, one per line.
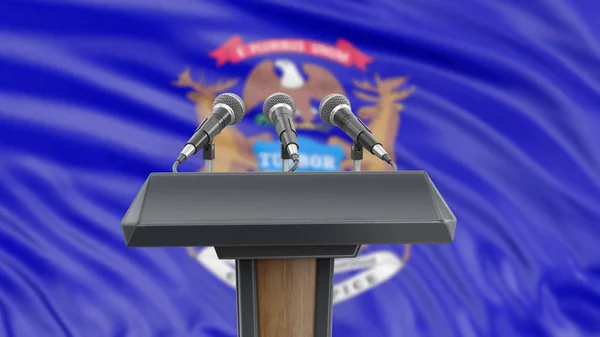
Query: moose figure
x=382, y=115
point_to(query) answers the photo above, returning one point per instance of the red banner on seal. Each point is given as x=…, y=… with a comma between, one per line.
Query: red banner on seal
x=343, y=52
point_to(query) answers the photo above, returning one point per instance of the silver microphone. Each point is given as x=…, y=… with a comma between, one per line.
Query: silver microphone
x=335, y=110
x=228, y=109
x=279, y=109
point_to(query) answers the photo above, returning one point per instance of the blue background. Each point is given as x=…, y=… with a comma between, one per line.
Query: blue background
x=504, y=118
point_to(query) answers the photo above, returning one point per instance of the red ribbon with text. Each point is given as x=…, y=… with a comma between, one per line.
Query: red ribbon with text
x=235, y=51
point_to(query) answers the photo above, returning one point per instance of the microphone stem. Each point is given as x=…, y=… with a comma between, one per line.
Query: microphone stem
x=356, y=154
x=208, y=154
x=286, y=165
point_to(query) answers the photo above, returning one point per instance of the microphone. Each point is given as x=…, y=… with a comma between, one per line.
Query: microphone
x=228, y=109
x=279, y=109
x=335, y=110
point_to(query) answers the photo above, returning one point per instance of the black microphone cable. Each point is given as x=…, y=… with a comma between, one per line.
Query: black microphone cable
x=386, y=157
x=295, y=166
x=175, y=165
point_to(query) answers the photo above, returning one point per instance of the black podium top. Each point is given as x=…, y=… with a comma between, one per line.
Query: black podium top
x=280, y=208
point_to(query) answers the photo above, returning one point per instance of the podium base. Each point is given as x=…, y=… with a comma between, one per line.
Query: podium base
x=284, y=297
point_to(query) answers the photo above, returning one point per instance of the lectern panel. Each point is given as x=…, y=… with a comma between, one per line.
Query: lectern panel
x=277, y=198
x=246, y=209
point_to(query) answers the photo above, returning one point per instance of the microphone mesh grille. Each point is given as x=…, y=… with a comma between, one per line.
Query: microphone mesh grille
x=329, y=103
x=278, y=98
x=234, y=102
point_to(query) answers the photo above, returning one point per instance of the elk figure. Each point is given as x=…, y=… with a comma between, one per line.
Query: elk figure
x=381, y=114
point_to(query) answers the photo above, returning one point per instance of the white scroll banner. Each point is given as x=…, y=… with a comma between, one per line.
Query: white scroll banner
x=377, y=267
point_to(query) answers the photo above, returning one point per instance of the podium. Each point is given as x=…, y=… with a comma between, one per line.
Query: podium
x=284, y=230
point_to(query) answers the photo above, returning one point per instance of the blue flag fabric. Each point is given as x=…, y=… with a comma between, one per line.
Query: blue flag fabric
x=496, y=100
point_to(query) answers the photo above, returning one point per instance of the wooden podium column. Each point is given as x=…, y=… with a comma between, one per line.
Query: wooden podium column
x=284, y=297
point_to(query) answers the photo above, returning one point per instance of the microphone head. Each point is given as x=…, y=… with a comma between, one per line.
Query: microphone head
x=278, y=98
x=234, y=102
x=328, y=104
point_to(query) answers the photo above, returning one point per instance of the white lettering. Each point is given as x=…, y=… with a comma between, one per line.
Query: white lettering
x=273, y=46
x=276, y=159
x=378, y=267
x=264, y=158
x=328, y=163
x=272, y=161
x=316, y=162
x=303, y=162
x=254, y=48
x=240, y=52
x=333, y=53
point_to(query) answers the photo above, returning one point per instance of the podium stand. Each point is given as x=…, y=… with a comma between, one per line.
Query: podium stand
x=284, y=230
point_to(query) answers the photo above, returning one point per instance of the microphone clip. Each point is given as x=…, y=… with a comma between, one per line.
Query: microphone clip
x=208, y=152
x=356, y=151
x=284, y=153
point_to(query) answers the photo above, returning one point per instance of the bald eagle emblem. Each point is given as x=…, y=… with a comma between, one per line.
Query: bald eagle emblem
x=307, y=84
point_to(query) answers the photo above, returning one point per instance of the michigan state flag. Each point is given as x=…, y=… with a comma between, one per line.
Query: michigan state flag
x=497, y=100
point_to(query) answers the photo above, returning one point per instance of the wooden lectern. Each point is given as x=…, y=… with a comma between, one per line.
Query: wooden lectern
x=284, y=230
